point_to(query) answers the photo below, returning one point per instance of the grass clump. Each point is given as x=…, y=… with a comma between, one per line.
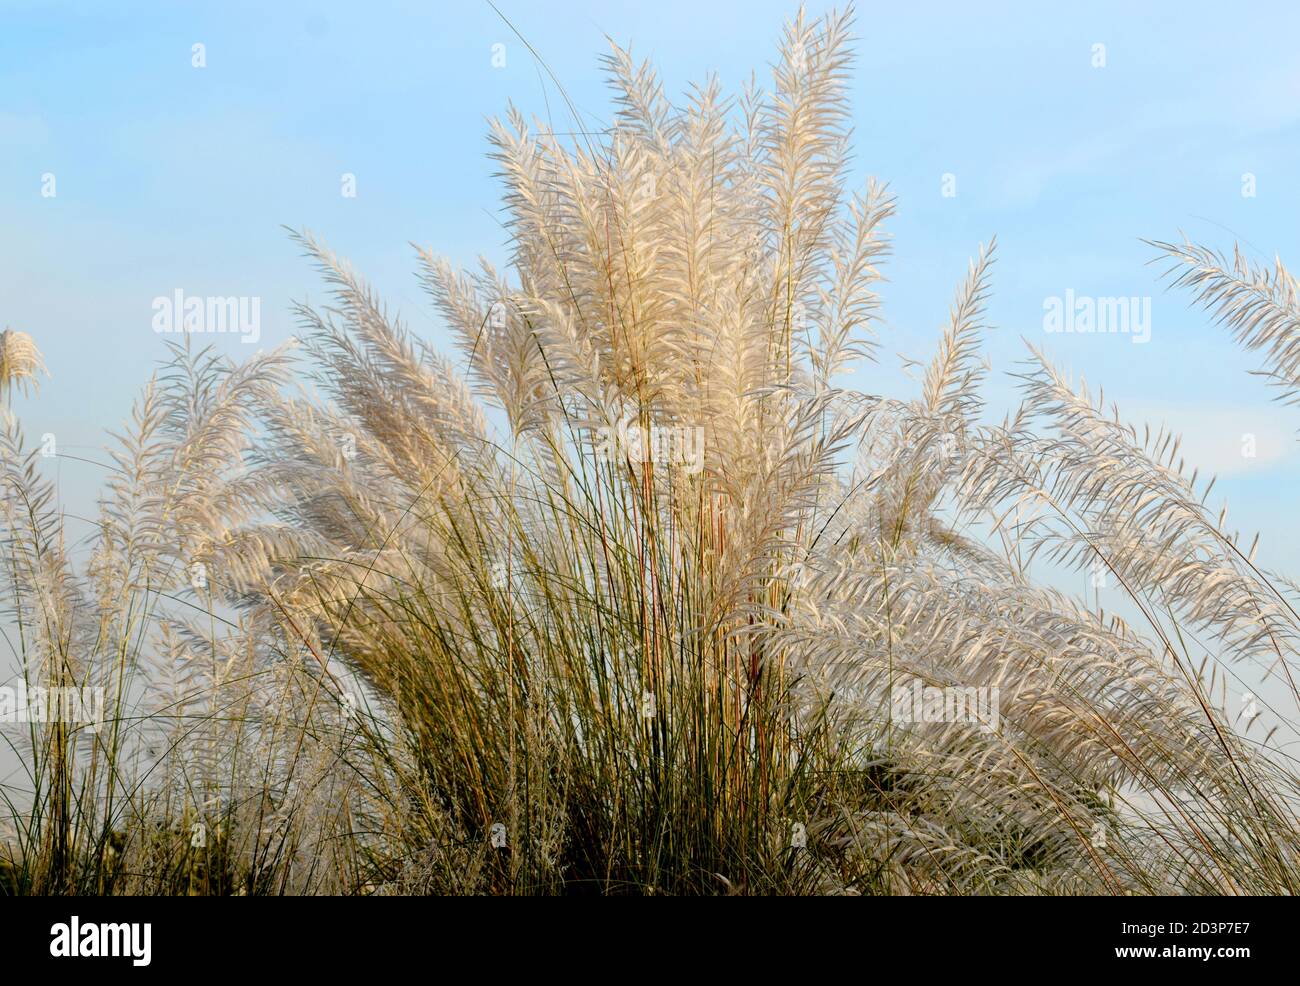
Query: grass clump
x=621, y=601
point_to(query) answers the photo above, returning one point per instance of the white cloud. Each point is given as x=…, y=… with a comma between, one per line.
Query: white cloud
x=1220, y=440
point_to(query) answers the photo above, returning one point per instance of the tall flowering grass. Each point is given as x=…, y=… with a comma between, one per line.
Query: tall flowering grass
x=622, y=598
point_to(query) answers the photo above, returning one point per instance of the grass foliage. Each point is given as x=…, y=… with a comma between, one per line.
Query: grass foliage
x=415, y=628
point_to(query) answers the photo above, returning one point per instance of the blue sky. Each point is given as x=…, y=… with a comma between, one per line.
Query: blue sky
x=170, y=176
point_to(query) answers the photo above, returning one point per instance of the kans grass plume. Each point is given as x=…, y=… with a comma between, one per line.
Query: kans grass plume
x=21, y=363
x=620, y=599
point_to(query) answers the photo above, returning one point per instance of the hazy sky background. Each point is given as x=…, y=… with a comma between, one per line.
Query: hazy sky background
x=173, y=177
